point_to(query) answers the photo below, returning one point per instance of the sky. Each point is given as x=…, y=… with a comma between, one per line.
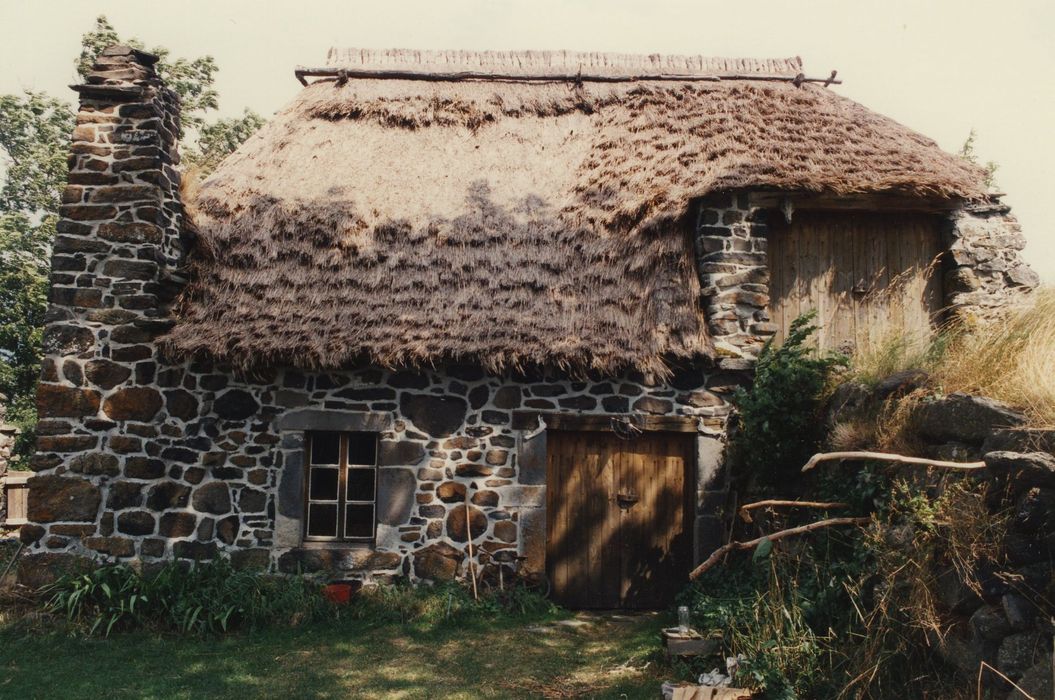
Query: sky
x=942, y=67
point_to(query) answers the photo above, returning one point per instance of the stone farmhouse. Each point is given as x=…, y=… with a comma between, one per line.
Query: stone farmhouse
x=446, y=299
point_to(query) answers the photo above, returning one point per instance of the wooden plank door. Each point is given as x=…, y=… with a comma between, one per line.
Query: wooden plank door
x=865, y=273
x=618, y=525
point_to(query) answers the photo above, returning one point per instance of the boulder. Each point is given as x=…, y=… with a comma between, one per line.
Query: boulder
x=1022, y=470
x=989, y=624
x=395, y=495
x=235, y=404
x=437, y=416
x=963, y=418
x=900, y=384
x=138, y=403
x=56, y=498
x=39, y=570
x=1020, y=652
x=1020, y=440
x=214, y=497
x=402, y=453
x=1036, y=682
x=438, y=562
x=463, y=519
x=167, y=494
x=54, y=400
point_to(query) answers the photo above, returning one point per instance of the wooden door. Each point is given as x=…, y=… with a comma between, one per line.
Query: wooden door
x=865, y=273
x=618, y=518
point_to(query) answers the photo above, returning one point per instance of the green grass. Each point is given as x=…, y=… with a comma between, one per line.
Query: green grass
x=608, y=656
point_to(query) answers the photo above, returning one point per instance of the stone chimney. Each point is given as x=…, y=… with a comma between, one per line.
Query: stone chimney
x=116, y=251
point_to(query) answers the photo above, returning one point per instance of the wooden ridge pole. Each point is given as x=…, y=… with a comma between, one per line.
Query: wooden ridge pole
x=343, y=74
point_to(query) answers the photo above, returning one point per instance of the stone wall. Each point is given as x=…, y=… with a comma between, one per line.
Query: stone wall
x=984, y=268
x=734, y=277
x=218, y=468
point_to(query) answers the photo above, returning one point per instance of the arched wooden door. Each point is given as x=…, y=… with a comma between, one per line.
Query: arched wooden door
x=618, y=518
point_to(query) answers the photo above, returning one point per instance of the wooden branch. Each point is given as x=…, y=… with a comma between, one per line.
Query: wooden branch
x=790, y=532
x=454, y=76
x=889, y=457
x=746, y=516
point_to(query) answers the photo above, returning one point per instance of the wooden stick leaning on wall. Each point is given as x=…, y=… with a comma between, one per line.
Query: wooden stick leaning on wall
x=469, y=537
x=889, y=457
x=717, y=555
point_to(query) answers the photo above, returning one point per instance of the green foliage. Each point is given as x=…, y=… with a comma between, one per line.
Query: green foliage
x=34, y=135
x=205, y=598
x=967, y=152
x=219, y=139
x=778, y=416
x=849, y=612
x=429, y=607
x=192, y=80
x=214, y=598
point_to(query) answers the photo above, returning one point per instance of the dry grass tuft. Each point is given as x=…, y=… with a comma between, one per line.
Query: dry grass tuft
x=1010, y=359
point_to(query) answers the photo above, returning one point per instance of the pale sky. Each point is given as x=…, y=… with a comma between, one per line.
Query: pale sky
x=938, y=66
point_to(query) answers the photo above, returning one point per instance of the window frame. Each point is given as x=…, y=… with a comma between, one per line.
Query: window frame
x=343, y=467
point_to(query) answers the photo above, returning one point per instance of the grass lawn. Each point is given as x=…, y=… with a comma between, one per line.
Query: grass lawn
x=570, y=655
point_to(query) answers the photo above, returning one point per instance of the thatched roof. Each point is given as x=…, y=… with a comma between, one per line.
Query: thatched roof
x=511, y=222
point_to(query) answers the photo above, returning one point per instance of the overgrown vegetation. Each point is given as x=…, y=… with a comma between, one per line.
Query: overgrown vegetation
x=851, y=613
x=204, y=598
x=778, y=417
x=1010, y=358
x=857, y=612
x=213, y=598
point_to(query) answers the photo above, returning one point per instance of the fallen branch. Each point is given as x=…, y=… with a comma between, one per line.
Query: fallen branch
x=889, y=457
x=772, y=503
x=800, y=530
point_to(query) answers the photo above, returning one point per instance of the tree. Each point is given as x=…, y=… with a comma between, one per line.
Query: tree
x=219, y=139
x=34, y=131
x=34, y=145
x=192, y=80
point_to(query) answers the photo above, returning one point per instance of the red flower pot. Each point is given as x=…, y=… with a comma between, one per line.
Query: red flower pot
x=337, y=593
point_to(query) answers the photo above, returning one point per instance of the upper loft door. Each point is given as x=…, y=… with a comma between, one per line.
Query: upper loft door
x=865, y=273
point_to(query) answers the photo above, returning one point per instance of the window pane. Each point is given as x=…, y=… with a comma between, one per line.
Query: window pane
x=360, y=485
x=362, y=448
x=359, y=521
x=325, y=448
x=323, y=484
x=322, y=519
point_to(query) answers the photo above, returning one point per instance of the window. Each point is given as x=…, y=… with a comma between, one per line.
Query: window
x=341, y=487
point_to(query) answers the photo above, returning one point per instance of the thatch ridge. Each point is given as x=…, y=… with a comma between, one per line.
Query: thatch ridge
x=411, y=223
x=514, y=63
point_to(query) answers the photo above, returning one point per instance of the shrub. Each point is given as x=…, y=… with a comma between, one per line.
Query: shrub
x=778, y=426
x=852, y=612
x=199, y=599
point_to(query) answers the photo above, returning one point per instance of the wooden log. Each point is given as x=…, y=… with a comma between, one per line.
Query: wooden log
x=302, y=73
x=775, y=503
x=717, y=555
x=889, y=457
